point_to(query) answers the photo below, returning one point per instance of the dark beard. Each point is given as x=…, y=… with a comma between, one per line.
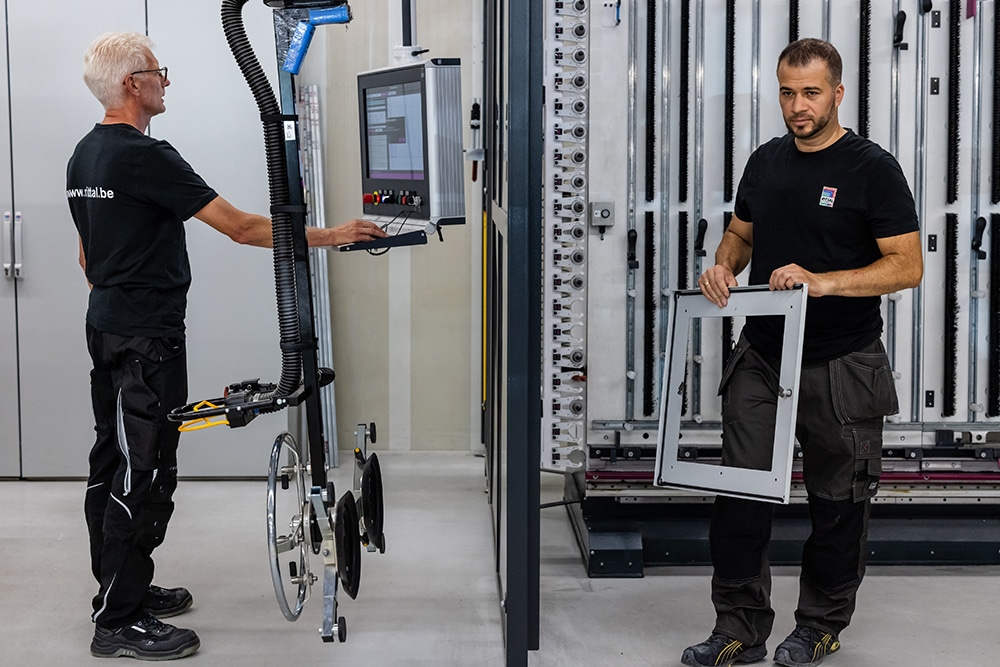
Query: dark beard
x=820, y=125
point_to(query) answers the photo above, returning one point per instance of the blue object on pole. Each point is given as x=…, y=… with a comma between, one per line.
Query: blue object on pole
x=299, y=44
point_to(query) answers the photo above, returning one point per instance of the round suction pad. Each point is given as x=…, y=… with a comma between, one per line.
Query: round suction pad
x=372, y=504
x=348, y=544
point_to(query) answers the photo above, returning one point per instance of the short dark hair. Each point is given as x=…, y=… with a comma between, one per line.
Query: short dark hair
x=803, y=51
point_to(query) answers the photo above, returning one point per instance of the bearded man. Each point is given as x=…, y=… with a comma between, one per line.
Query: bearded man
x=825, y=207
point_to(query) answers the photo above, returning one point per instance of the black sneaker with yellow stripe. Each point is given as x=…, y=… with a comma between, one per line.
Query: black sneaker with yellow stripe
x=722, y=651
x=805, y=647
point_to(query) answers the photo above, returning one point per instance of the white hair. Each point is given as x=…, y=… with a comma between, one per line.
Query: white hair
x=111, y=58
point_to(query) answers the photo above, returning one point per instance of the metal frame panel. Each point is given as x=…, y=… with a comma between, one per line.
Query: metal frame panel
x=771, y=485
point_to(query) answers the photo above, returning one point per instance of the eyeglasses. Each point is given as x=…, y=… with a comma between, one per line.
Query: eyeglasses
x=161, y=72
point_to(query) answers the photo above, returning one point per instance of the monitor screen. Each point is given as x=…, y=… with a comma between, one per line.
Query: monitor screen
x=394, y=117
x=410, y=131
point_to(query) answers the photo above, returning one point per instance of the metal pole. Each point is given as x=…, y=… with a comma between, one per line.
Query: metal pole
x=316, y=445
x=755, y=79
x=699, y=193
x=630, y=218
x=975, y=294
x=665, y=226
x=920, y=195
x=890, y=325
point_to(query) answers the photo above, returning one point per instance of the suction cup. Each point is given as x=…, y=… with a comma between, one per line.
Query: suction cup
x=372, y=504
x=348, y=544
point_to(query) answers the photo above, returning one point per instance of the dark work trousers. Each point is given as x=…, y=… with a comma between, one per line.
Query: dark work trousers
x=133, y=465
x=839, y=428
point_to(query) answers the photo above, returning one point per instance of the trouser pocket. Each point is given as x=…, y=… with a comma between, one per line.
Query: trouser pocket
x=863, y=392
x=153, y=381
x=862, y=386
x=139, y=411
x=867, y=462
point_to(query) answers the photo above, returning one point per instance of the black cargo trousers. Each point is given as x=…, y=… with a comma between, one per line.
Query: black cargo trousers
x=839, y=428
x=135, y=382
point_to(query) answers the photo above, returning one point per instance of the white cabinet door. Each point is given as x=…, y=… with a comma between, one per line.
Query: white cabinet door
x=51, y=109
x=213, y=121
x=232, y=322
x=10, y=457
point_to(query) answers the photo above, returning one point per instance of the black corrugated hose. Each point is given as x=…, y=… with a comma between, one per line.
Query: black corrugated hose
x=281, y=222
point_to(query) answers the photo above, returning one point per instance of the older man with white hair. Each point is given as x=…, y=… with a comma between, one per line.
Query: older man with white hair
x=129, y=195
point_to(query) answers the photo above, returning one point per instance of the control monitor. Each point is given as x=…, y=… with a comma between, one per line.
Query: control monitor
x=412, y=165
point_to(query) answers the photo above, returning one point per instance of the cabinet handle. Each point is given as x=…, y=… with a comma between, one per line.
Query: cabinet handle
x=18, y=247
x=6, y=242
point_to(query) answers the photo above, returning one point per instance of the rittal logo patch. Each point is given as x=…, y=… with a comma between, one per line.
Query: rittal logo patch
x=828, y=197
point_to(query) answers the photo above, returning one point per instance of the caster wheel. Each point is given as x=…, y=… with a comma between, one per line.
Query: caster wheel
x=292, y=548
x=342, y=629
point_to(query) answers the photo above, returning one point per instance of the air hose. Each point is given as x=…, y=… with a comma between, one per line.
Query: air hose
x=281, y=219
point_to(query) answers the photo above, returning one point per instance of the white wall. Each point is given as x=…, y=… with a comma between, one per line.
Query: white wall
x=406, y=325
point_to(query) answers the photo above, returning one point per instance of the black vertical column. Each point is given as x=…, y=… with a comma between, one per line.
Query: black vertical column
x=524, y=326
x=303, y=290
x=407, y=23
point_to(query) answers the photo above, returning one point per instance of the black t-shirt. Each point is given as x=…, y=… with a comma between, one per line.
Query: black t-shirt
x=129, y=196
x=823, y=211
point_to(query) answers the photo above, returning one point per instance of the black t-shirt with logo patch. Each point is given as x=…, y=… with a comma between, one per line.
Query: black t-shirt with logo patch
x=823, y=211
x=129, y=195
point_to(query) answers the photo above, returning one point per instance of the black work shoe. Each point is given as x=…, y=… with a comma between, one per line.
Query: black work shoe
x=146, y=639
x=805, y=647
x=166, y=602
x=721, y=651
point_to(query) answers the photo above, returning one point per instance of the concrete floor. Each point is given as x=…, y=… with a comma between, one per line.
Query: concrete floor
x=431, y=598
